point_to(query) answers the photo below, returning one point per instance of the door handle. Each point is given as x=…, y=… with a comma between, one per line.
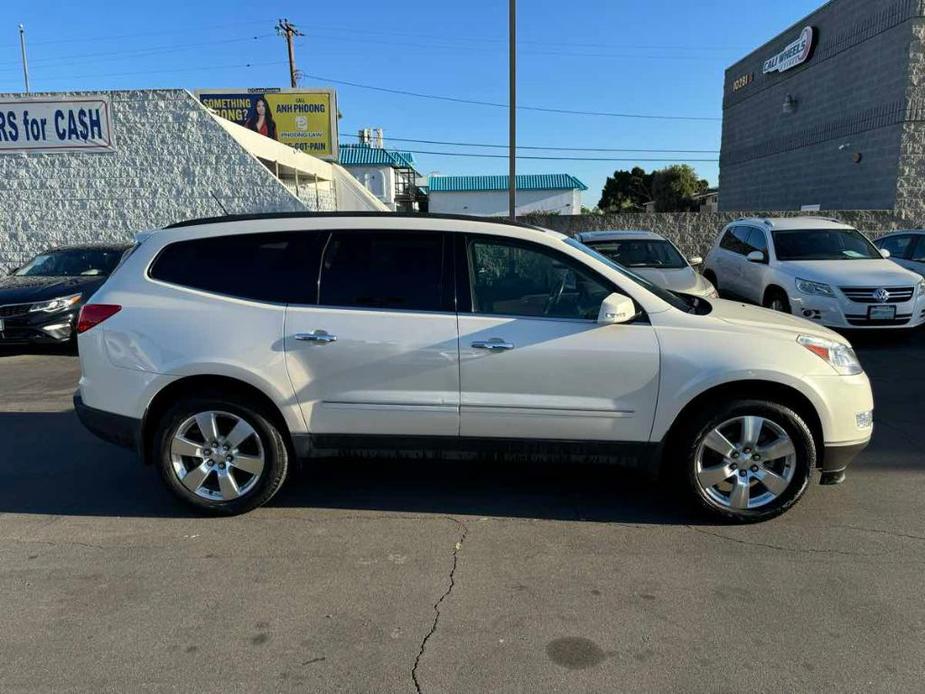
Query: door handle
x=321, y=336
x=495, y=344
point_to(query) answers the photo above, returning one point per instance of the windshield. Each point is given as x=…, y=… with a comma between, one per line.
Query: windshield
x=663, y=294
x=641, y=253
x=77, y=262
x=823, y=244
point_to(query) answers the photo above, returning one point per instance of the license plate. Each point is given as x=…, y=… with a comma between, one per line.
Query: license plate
x=881, y=313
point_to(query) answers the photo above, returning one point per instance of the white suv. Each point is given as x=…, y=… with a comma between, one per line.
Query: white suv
x=820, y=269
x=224, y=349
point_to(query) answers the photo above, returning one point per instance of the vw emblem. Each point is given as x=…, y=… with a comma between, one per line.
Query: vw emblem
x=882, y=295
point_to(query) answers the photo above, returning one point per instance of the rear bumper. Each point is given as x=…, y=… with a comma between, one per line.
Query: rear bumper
x=113, y=428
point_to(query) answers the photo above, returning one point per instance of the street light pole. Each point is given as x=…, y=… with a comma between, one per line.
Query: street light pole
x=512, y=110
x=22, y=47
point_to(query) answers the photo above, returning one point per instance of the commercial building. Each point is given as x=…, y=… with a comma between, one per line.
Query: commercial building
x=100, y=166
x=830, y=114
x=488, y=195
x=388, y=174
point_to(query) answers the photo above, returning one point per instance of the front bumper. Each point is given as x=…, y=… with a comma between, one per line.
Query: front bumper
x=838, y=458
x=113, y=428
x=39, y=328
x=841, y=312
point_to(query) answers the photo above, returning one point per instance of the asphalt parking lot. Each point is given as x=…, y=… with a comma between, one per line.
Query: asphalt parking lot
x=400, y=575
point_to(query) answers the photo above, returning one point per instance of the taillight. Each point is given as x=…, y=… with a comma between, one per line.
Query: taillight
x=94, y=314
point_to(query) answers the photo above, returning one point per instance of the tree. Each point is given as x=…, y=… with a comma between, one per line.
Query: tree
x=626, y=191
x=674, y=187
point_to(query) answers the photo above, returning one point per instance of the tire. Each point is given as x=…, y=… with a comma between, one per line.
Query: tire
x=710, y=277
x=239, y=479
x=787, y=476
x=776, y=300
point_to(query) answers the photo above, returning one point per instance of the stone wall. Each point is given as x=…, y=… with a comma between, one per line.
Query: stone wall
x=694, y=232
x=172, y=162
x=910, y=184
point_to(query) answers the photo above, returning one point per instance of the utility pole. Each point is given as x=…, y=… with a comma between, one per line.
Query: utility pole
x=512, y=109
x=25, y=63
x=288, y=30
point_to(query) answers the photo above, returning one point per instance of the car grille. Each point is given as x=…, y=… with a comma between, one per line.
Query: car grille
x=865, y=295
x=867, y=322
x=14, y=310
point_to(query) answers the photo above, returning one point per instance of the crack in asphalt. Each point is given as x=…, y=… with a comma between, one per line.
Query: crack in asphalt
x=446, y=593
x=891, y=533
x=782, y=548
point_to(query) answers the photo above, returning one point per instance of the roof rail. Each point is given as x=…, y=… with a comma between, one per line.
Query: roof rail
x=316, y=215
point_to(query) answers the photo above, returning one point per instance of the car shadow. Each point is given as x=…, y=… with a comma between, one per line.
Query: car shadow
x=53, y=466
x=64, y=349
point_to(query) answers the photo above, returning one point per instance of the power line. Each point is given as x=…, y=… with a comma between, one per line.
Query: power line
x=504, y=156
x=137, y=52
x=154, y=72
x=538, y=147
x=494, y=104
x=166, y=32
x=353, y=30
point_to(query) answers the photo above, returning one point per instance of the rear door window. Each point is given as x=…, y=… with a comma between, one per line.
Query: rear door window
x=278, y=267
x=729, y=241
x=403, y=271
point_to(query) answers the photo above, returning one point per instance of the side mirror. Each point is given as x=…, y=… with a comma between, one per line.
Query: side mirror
x=616, y=308
x=885, y=253
x=695, y=261
x=756, y=257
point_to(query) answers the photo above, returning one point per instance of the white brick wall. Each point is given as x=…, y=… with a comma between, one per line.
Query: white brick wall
x=173, y=162
x=494, y=203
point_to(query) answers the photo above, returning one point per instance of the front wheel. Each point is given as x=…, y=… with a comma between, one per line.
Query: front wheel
x=749, y=461
x=776, y=300
x=220, y=454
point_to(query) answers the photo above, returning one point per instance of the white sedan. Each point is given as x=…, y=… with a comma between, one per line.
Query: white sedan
x=652, y=257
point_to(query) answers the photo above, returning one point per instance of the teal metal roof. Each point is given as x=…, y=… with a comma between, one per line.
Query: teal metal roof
x=466, y=184
x=364, y=155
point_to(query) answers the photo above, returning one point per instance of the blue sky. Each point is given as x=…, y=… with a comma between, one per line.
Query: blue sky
x=656, y=57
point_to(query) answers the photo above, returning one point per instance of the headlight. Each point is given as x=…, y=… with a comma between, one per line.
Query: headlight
x=810, y=287
x=54, y=305
x=839, y=356
x=712, y=294
x=922, y=288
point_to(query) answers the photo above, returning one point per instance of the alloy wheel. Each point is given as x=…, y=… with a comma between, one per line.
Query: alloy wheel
x=745, y=463
x=217, y=455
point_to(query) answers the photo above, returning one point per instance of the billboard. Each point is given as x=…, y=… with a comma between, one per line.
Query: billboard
x=56, y=124
x=305, y=119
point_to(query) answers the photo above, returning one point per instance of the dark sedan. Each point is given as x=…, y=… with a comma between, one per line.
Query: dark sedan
x=39, y=301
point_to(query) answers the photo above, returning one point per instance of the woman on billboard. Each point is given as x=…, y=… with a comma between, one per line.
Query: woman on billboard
x=261, y=119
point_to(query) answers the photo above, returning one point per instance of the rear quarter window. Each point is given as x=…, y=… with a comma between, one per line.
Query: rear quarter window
x=273, y=267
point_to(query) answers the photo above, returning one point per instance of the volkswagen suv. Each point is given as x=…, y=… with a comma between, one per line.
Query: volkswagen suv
x=820, y=269
x=224, y=349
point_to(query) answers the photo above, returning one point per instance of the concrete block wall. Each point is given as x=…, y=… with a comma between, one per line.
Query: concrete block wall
x=850, y=99
x=694, y=232
x=172, y=162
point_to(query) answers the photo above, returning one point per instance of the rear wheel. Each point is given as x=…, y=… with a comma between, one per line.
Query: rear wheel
x=749, y=461
x=776, y=300
x=220, y=455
